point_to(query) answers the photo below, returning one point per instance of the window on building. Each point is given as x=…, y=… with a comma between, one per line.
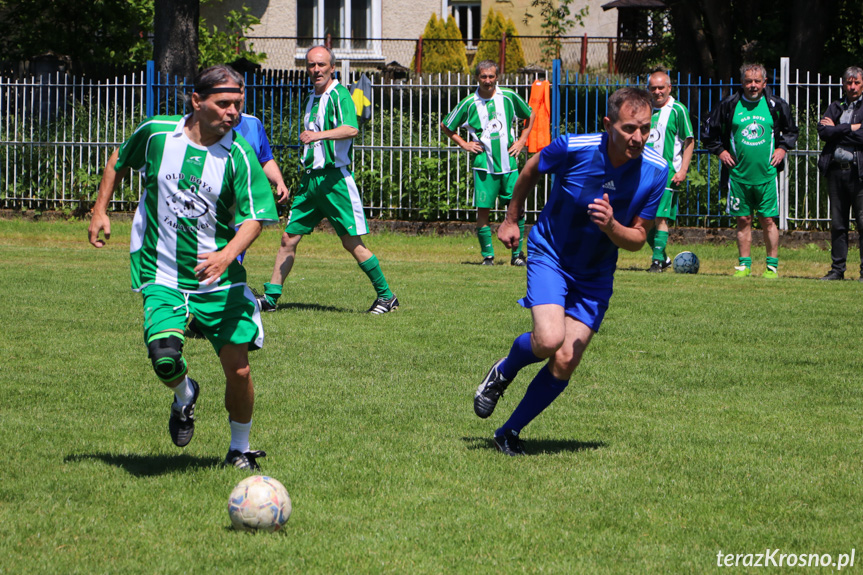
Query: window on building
x=467, y=16
x=351, y=23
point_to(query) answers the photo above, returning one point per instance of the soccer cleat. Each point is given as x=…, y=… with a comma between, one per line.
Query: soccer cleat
x=666, y=263
x=488, y=261
x=181, y=425
x=264, y=303
x=742, y=271
x=770, y=273
x=382, y=305
x=519, y=260
x=509, y=443
x=246, y=461
x=489, y=391
x=833, y=275
x=655, y=267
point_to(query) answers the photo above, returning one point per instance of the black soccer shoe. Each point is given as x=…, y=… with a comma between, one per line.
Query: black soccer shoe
x=509, y=443
x=655, y=267
x=382, y=305
x=489, y=391
x=519, y=261
x=247, y=461
x=181, y=425
x=487, y=261
x=264, y=303
x=667, y=263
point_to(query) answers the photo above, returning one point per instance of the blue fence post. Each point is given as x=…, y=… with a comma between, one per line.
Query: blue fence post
x=555, y=99
x=148, y=91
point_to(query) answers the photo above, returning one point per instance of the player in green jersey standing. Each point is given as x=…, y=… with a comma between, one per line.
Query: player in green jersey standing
x=752, y=131
x=327, y=188
x=671, y=136
x=201, y=181
x=488, y=114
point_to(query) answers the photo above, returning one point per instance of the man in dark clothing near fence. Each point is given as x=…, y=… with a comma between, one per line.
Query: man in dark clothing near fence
x=841, y=162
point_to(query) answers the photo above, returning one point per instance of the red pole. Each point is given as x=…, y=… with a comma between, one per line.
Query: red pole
x=583, y=67
x=503, y=53
x=418, y=58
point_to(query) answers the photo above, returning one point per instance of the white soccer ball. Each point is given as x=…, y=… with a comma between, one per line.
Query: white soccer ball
x=686, y=263
x=259, y=503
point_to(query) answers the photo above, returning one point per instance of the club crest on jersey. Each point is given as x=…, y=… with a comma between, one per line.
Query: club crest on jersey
x=753, y=131
x=654, y=136
x=494, y=127
x=186, y=204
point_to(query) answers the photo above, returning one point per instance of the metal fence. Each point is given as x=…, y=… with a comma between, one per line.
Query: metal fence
x=56, y=133
x=584, y=54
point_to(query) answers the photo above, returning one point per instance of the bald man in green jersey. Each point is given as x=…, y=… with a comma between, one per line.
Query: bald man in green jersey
x=671, y=136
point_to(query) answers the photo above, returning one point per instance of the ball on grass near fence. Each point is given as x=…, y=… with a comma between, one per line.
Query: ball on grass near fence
x=259, y=503
x=686, y=263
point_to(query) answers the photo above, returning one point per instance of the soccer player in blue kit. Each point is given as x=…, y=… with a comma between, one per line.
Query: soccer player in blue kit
x=606, y=191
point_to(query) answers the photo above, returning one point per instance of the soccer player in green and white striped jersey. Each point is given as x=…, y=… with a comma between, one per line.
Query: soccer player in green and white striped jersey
x=327, y=187
x=201, y=180
x=671, y=135
x=489, y=114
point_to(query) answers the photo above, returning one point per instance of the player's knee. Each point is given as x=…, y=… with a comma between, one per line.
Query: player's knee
x=546, y=344
x=166, y=353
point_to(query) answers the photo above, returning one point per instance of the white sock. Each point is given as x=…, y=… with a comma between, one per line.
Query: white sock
x=184, y=392
x=240, y=436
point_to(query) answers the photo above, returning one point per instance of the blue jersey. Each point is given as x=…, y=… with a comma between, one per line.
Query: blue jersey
x=583, y=172
x=252, y=130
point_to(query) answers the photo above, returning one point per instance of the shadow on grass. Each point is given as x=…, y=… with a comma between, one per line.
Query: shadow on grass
x=311, y=306
x=147, y=465
x=537, y=446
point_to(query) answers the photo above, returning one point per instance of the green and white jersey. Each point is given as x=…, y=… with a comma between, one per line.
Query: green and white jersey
x=669, y=129
x=752, y=142
x=332, y=109
x=193, y=197
x=490, y=122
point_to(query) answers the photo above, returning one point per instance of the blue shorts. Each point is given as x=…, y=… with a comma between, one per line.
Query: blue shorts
x=585, y=301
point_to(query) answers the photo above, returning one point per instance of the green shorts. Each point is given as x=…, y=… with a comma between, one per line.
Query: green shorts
x=668, y=205
x=331, y=194
x=488, y=187
x=746, y=199
x=224, y=316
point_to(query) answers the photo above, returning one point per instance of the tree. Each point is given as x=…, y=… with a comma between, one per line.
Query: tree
x=714, y=37
x=557, y=19
x=229, y=45
x=104, y=31
x=175, y=42
x=442, y=47
x=493, y=29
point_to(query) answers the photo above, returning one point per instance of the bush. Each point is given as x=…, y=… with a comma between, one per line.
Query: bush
x=489, y=46
x=442, y=47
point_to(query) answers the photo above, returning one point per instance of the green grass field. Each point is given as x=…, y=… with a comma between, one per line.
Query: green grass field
x=710, y=414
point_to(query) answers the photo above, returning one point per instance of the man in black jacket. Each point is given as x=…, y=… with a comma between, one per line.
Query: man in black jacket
x=751, y=131
x=841, y=162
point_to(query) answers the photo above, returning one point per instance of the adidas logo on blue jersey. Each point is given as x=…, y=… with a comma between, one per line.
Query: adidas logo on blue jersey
x=609, y=185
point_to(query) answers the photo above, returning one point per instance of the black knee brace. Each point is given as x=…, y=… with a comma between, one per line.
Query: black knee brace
x=166, y=353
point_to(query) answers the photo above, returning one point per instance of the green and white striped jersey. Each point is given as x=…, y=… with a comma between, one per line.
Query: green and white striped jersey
x=490, y=122
x=193, y=197
x=669, y=128
x=332, y=109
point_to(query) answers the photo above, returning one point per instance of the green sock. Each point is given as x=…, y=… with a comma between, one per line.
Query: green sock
x=517, y=250
x=486, y=247
x=272, y=292
x=745, y=262
x=659, y=243
x=372, y=268
x=773, y=262
x=651, y=237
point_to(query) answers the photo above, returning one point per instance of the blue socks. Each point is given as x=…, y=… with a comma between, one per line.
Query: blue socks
x=540, y=393
x=520, y=355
